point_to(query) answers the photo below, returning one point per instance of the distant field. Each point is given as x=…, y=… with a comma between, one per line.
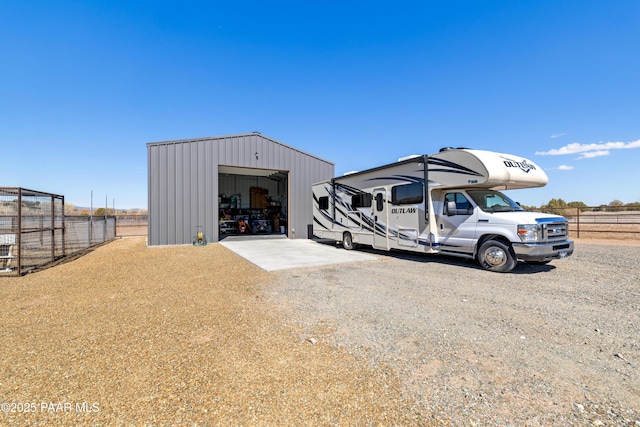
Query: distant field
x=128, y=231
x=605, y=225
x=606, y=231
x=131, y=225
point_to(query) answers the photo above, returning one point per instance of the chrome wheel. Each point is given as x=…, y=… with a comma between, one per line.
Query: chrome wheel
x=495, y=256
x=347, y=241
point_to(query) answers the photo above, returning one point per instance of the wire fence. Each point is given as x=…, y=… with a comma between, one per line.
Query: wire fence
x=131, y=225
x=602, y=222
x=35, y=232
x=83, y=232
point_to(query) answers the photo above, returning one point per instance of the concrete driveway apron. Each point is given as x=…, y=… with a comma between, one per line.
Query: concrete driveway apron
x=272, y=254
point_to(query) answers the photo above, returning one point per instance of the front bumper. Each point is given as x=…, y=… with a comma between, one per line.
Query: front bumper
x=543, y=251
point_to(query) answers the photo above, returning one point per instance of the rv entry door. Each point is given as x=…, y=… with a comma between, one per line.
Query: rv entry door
x=380, y=219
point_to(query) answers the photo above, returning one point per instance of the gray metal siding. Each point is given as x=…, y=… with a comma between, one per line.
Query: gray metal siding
x=183, y=182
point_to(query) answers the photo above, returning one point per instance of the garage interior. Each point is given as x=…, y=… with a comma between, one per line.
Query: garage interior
x=252, y=202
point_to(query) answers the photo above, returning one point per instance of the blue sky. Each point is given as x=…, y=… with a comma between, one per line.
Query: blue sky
x=84, y=85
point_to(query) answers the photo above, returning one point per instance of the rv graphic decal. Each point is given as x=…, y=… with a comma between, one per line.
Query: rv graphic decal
x=524, y=166
x=400, y=178
x=365, y=222
x=343, y=208
x=453, y=167
x=404, y=210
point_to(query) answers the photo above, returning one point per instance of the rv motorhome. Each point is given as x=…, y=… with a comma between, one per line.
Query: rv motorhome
x=460, y=212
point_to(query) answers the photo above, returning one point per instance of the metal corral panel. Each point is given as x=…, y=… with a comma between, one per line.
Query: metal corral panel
x=183, y=182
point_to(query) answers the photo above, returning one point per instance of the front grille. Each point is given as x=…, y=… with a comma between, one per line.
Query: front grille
x=554, y=231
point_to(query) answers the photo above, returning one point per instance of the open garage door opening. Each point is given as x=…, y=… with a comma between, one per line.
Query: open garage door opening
x=252, y=202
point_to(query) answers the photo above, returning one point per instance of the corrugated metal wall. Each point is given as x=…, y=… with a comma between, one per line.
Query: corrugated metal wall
x=183, y=182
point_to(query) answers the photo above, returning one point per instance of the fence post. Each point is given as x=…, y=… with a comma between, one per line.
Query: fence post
x=19, y=231
x=64, y=237
x=53, y=229
x=578, y=222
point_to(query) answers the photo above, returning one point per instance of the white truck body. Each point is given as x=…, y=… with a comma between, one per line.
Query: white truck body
x=460, y=212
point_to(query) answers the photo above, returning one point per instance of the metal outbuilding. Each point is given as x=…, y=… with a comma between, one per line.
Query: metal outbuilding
x=205, y=184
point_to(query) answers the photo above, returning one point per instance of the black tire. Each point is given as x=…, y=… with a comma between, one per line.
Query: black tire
x=497, y=256
x=347, y=241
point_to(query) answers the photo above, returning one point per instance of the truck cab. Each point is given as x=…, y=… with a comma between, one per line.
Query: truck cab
x=487, y=225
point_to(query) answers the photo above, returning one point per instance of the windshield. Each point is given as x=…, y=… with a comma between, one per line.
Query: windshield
x=493, y=201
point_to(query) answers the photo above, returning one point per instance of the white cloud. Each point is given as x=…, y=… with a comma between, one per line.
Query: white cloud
x=590, y=150
x=557, y=135
x=565, y=167
x=592, y=154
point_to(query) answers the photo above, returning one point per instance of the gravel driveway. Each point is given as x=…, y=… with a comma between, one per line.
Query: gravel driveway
x=544, y=345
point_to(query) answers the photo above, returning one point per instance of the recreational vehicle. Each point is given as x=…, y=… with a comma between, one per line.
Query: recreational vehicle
x=460, y=211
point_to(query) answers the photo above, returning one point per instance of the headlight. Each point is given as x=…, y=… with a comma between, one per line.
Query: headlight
x=528, y=232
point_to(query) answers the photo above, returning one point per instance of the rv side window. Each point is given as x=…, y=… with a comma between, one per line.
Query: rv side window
x=323, y=202
x=362, y=200
x=409, y=194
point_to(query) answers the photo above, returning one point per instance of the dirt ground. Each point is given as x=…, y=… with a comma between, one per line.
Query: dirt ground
x=184, y=335
x=130, y=335
x=131, y=231
x=617, y=242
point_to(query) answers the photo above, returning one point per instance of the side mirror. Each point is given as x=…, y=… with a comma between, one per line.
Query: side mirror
x=451, y=208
